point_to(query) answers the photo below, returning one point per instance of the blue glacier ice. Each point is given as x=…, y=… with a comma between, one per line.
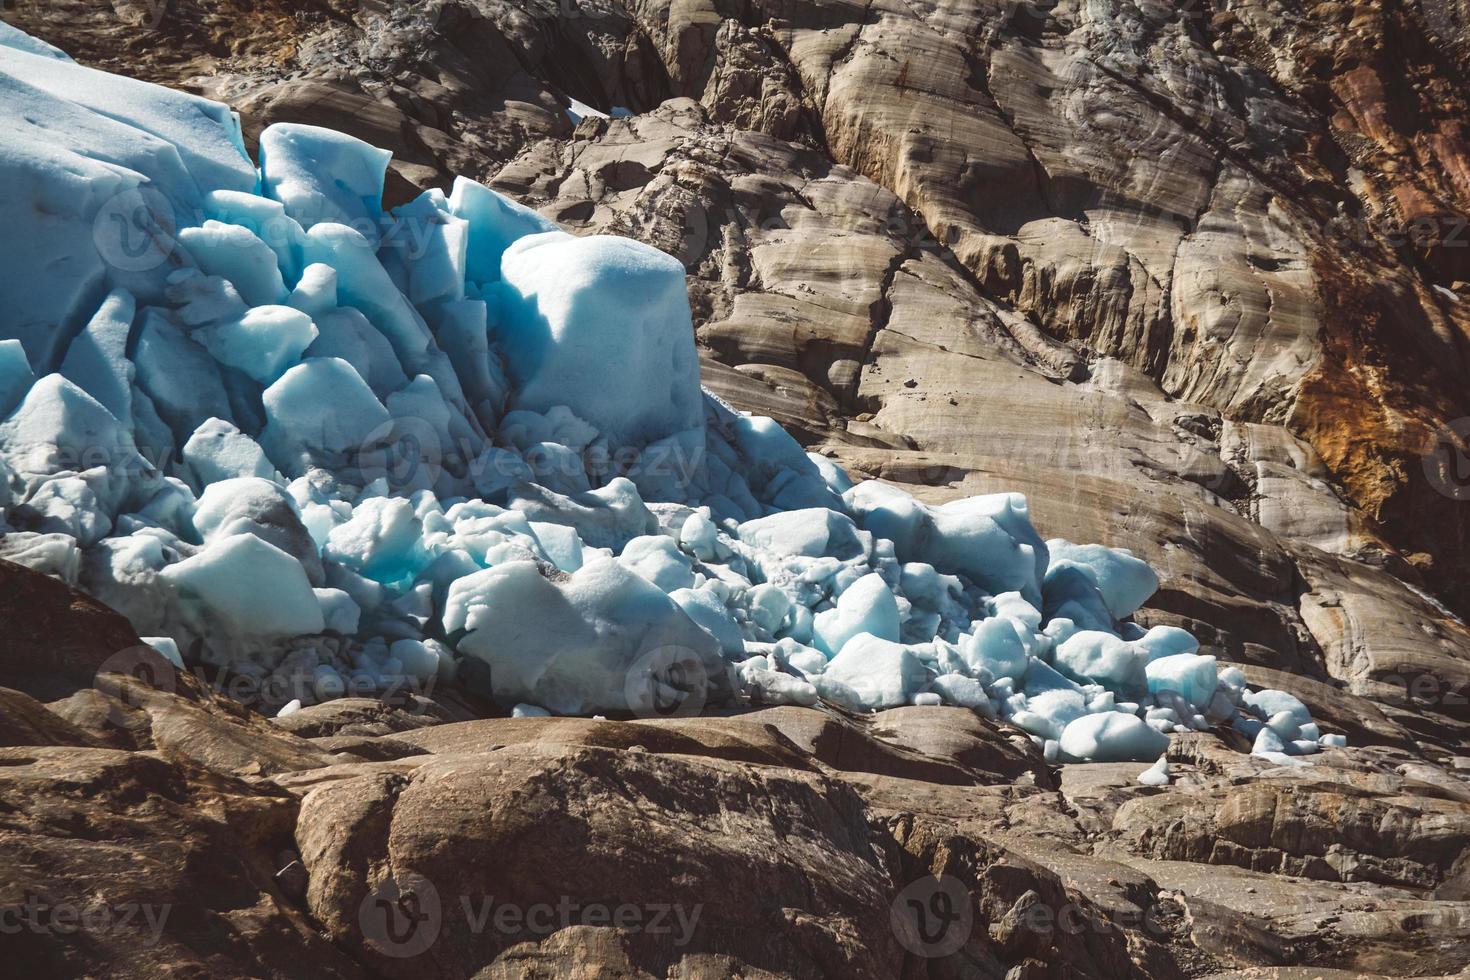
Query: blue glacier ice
x=298, y=437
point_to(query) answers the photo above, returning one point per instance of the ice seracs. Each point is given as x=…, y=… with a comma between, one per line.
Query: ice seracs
x=336, y=449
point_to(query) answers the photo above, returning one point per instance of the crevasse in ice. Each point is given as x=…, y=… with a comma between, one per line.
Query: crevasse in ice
x=335, y=449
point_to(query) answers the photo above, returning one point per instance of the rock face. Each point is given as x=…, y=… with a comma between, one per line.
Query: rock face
x=1192, y=277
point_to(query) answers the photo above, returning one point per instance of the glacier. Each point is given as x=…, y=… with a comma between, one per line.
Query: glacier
x=335, y=449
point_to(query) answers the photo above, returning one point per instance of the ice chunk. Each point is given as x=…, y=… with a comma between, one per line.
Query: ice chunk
x=608, y=517
x=320, y=412
x=706, y=609
x=339, y=611
x=239, y=255
x=268, y=220
x=1058, y=708
x=1125, y=582
x=218, y=451
x=871, y=674
x=659, y=560
x=572, y=306
x=102, y=196
x=1268, y=743
x=249, y=587
x=1091, y=655
x=995, y=647
x=363, y=283
x=180, y=377
x=560, y=544
x=832, y=474
x=316, y=293
x=204, y=135
x=1156, y=774
x=594, y=641
x=766, y=686
x=1232, y=681
x=166, y=646
x=418, y=660
x=529, y=711
x=14, y=37
x=421, y=436
x=66, y=506
x=768, y=607
x=430, y=243
x=327, y=683
x=988, y=539
x=966, y=692
x=16, y=377
x=320, y=175
x=1187, y=674
x=1284, y=725
x=812, y=532
x=347, y=334
x=383, y=541
x=50, y=554
x=249, y=505
x=58, y=427
x=1268, y=703
x=699, y=535
x=199, y=300
x=777, y=468
x=865, y=606
x=1112, y=736
x=263, y=342
x=1166, y=641
x=97, y=359
x=495, y=222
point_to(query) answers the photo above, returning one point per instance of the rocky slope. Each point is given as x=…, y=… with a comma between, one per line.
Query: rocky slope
x=151, y=827
x=1189, y=275
x=1184, y=274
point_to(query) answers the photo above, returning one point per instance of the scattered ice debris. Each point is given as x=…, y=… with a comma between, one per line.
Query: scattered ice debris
x=167, y=647
x=338, y=450
x=577, y=111
x=1112, y=736
x=1156, y=774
